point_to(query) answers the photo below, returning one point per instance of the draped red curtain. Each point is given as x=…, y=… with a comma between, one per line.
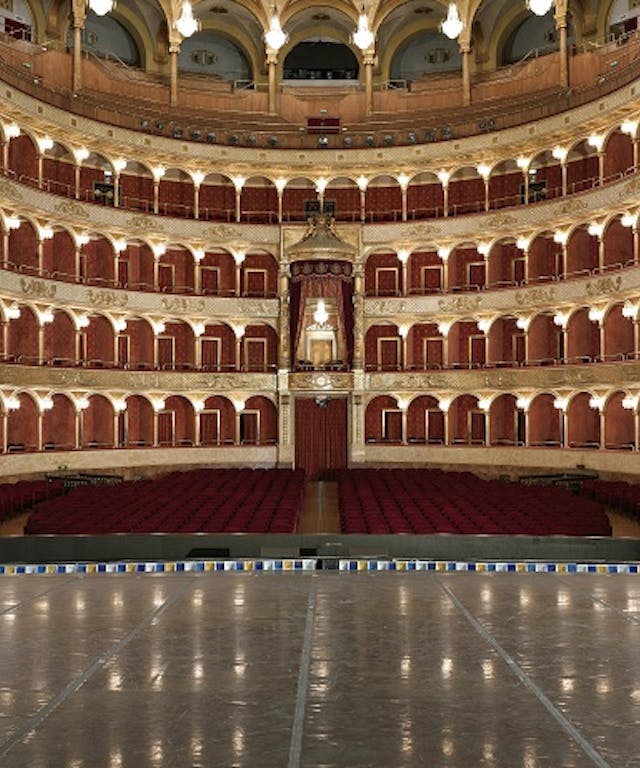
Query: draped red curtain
x=327, y=281
x=321, y=435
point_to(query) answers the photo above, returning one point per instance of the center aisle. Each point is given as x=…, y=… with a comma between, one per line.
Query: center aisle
x=320, y=512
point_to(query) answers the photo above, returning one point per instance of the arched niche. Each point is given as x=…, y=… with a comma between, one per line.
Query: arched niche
x=213, y=55
x=428, y=52
x=321, y=59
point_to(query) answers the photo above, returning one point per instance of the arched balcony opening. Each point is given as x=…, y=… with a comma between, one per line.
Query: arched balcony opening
x=342, y=199
x=582, y=253
x=258, y=422
x=175, y=347
x=258, y=275
x=95, y=181
x=22, y=425
x=23, y=338
x=583, y=338
x=59, y=425
x=217, y=198
x=96, y=343
x=60, y=347
x=259, y=201
x=466, y=192
x=98, y=422
x=505, y=185
x=299, y=200
x=545, y=260
x=383, y=274
x=425, y=273
x=217, y=422
x=619, y=337
x=136, y=267
x=383, y=348
x=218, y=348
x=176, y=194
x=23, y=159
x=176, y=422
x=425, y=197
x=137, y=188
x=467, y=345
x=97, y=263
x=506, y=344
x=383, y=421
x=137, y=427
x=383, y=199
x=583, y=422
x=618, y=155
x=176, y=271
x=59, y=257
x=425, y=421
x=546, y=343
x=506, y=265
x=58, y=171
x=467, y=422
x=426, y=347
x=467, y=269
x=583, y=171
x=135, y=345
x=23, y=249
x=545, y=178
x=259, y=348
x=545, y=422
x=505, y=425
x=618, y=245
x=217, y=274
x=619, y=424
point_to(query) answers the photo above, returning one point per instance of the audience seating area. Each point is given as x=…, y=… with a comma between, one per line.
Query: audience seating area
x=620, y=495
x=205, y=500
x=15, y=497
x=418, y=501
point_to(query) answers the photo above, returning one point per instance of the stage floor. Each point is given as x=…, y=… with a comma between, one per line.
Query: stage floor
x=320, y=669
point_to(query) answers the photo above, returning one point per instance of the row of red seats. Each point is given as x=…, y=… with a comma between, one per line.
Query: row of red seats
x=619, y=494
x=417, y=501
x=15, y=497
x=206, y=500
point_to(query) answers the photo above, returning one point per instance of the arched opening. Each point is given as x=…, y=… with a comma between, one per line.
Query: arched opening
x=320, y=59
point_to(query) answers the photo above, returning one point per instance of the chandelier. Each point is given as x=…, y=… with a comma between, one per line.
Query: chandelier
x=363, y=37
x=275, y=37
x=539, y=7
x=452, y=26
x=187, y=24
x=101, y=7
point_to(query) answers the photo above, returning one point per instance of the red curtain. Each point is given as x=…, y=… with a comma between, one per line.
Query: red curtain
x=321, y=435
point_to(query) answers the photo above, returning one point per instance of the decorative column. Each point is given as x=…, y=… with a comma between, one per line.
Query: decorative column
x=118, y=166
x=484, y=171
x=358, y=317
x=443, y=329
x=443, y=178
x=560, y=153
x=523, y=164
x=363, y=183
x=465, y=52
x=403, y=330
x=280, y=184
x=561, y=28
x=272, y=63
x=198, y=256
x=198, y=178
x=119, y=407
x=561, y=320
x=158, y=172
x=284, y=356
x=239, y=257
x=238, y=331
x=523, y=243
x=238, y=183
x=11, y=131
x=79, y=16
x=403, y=181
x=522, y=405
x=45, y=143
x=403, y=256
x=444, y=404
x=79, y=156
x=561, y=238
x=561, y=404
x=174, y=50
x=368, y=61
x=443, y=255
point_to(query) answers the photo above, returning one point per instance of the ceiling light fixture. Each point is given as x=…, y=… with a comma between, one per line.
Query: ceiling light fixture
x=363, y=37
x=452, y=26
x=187, y=24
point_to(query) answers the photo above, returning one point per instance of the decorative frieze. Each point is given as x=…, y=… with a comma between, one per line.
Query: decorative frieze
x=459, y=303
x=178, y=304
x=324, y=381
x=604, y=285
x=534, y=297
x=39, y=288
x=72, y=208
x=106, y=298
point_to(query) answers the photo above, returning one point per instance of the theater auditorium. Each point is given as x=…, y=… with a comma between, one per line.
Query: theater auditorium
x=319, y=383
